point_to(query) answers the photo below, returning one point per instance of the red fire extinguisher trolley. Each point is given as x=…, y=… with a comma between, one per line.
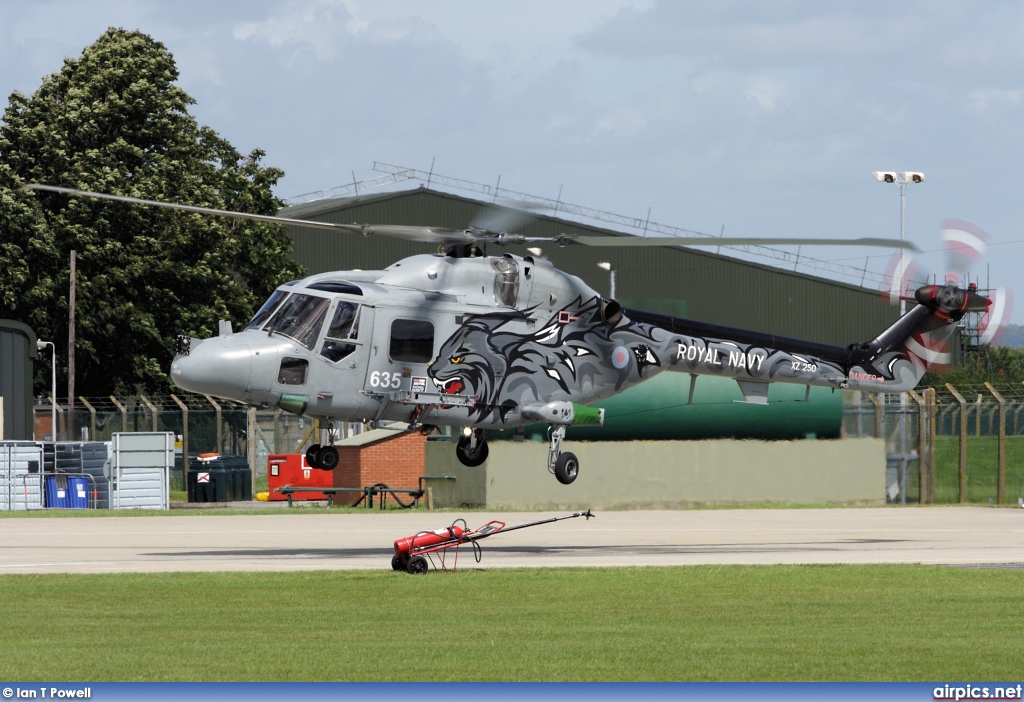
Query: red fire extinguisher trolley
x=412, y=552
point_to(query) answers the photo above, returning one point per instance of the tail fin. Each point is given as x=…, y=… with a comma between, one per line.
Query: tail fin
x=923, y=336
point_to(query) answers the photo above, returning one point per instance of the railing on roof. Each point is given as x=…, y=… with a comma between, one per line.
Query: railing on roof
x=393, y=174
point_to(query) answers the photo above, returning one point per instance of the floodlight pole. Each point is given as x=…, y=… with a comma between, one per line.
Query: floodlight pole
x=900, y=179
x=604, y=265
x=40, y=345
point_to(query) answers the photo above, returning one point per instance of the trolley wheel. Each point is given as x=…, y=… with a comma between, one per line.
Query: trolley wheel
x=327, y=458
x=397, y=563
x=469, y=458
x=567, y=467
x=311, y=456
x=417, y=565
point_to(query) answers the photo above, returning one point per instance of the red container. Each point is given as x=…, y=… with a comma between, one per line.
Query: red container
x=292, y=469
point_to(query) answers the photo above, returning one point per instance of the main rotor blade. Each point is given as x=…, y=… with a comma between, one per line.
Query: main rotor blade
x=199, y=210
x=430, y=235
x=731, y=241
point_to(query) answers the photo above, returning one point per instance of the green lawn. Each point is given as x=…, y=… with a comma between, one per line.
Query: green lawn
x=692, y=623
x=982, y=469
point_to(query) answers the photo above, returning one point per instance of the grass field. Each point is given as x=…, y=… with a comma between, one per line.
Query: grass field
x=982, y=469
x=694, y=623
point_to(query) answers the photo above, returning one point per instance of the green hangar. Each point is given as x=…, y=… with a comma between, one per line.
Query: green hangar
x=678, y=281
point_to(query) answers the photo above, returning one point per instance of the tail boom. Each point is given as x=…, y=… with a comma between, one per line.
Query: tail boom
x=894, y=361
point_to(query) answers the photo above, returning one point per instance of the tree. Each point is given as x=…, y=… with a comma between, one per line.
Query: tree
x=114, y=121
x=1002, y=365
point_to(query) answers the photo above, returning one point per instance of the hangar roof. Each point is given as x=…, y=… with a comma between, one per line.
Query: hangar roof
x=679, y=281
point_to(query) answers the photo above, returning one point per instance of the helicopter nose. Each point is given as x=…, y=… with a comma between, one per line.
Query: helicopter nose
x=220, y=366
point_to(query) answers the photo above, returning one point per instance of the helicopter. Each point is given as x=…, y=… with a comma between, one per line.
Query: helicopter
x=484, y=343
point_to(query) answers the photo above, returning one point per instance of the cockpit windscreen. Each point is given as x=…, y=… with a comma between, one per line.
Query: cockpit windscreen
x=300, y=318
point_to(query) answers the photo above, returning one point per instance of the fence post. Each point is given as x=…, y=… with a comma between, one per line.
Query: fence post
x=1001, y=484
x=963, y=442
x=124, y=413
x=924, y=488
x=876, y=400
x=152, y=409
x=220, y=427
x=184, y=441
x=92, y=418
x=278, y=443
x=60, y=420
x=977, y=416
x=251, y=447
x=933, y=410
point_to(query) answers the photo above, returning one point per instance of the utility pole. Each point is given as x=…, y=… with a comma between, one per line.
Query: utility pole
x=71, y=350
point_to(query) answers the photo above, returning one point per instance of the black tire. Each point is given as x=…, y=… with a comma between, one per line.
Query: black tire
x=397, y=563
x=471, y=459
x=417, y=565
x=327, y=458
x=567, y=467
x=311, y=456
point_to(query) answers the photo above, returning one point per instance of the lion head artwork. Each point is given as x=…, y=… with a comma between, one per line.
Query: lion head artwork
x=567, y=356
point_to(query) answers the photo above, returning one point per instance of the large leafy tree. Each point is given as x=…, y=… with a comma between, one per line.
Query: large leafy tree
x=114, y=121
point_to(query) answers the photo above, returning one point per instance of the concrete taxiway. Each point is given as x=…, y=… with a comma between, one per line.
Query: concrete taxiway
x=316, y=539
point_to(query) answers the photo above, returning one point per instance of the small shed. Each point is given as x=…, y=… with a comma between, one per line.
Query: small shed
x=390, y=456
x=17, y=355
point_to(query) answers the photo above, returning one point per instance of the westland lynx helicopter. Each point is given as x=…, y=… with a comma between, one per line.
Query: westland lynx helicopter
x=491, y=342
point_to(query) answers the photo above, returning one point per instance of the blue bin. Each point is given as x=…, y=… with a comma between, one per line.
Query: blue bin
x=78, y=492
x=57, y=492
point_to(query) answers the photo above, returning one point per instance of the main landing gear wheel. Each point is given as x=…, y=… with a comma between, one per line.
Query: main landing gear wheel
x=468, y=456
x=311, y=456
x=567, y=467
x=417, y=565
x=327, y=458
x=396, y=563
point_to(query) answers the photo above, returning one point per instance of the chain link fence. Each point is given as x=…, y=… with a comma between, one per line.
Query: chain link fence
x=199, y=423
x=943, y=445
x=951, y=445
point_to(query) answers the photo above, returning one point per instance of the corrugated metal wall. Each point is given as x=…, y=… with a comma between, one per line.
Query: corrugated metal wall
x=677, y=281
x=17, y=354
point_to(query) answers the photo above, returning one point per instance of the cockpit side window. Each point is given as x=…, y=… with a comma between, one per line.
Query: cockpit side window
x=506, y=281
x=300, y=318
x=268, y=309
x=293, y=371
x=344, y=327
x=412, y=341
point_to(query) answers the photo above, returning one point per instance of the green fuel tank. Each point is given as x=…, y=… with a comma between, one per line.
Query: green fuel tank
x=657, y=410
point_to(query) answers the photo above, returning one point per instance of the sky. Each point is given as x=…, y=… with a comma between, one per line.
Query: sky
x=759, y=118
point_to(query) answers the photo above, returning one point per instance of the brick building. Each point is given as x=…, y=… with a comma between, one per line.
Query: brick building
x=394, y=458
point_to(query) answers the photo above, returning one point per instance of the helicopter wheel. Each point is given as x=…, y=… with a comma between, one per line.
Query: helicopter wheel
x=470, y=458
x=312, y=456
x=567, y=467
x=327, y=458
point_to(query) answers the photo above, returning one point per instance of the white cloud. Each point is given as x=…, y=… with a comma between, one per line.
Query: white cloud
x=766, y=92
x=322, y=25
x=982, y=100
x=620, y=122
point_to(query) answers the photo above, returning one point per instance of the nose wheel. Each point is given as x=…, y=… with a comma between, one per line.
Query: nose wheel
x=324, y=457
x=565, y=466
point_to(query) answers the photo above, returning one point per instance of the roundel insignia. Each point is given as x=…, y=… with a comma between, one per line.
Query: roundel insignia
x=620, y=357
x=432, y=275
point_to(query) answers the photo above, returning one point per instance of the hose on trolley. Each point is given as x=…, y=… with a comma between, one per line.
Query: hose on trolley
x=478, y=552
